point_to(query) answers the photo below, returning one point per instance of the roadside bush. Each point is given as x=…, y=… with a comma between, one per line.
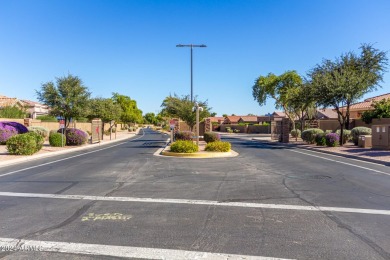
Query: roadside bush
x=9, y=129
x=184, y=146
x=75, y=136
x=346, y=135
x=309, y=135
x=320, y=139
x=211, y=137
x=39, y=140
x=184, y=135
x=361, y=130
x=229, y=130
x=295, y=133
x=22, y=144
x=236, y=130
x=39, y=130
x=218, y=146
x=328, y=131
x=332, y=139
x=57, y=139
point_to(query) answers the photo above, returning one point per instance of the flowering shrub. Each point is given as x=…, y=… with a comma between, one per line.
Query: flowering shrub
x=211, y=137
x=184, y=146
x=332, y=139
x=75, y=136
x=309, y=135
x=184, y=135
x=9, y=129
x=320, y=139
x=355, y=132
x=218, y=146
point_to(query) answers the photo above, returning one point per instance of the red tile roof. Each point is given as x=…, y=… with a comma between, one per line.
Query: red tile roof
x=232, y=119
x=329, y=113
x=216, y=119
x=366, y=104
x=249, y=118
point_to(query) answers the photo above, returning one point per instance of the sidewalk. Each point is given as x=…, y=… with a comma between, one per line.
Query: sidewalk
x=348, y=150
x=47, y=150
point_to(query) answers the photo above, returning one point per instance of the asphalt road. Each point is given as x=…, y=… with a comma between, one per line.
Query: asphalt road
x=121, y=200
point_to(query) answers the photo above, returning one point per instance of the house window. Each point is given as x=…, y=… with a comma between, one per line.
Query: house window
x=383, y=129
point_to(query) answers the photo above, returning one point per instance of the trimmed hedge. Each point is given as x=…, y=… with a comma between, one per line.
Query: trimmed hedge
x=295, y=133
x=184, y=146
x=211, y=137
x=57, y=139
x=184, y=135
x=25, y=144
x=39, y=130
x=332, y=139
x=9, y=129
x=218, y=146
x=361, y=130
x=347, y=136
x=309, y=135
x=75, y=136
x=320, y=139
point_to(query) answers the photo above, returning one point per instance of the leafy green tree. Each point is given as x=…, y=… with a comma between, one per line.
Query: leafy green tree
x=130, y=112
x=12, y=112
x=183, y=108
x=342, y=82
x=225, y=115
x=281, y=88
x=105, y=109
x=381, y=110
x=67, y=98
x=150, y=118
x=213, y=114
x=302, y=104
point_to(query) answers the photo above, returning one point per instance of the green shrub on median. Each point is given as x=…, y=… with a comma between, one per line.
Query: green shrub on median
x=218, y=146
x=183, y=146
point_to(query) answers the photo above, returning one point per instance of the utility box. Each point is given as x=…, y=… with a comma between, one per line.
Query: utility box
x=365, y=141
x=381, y=136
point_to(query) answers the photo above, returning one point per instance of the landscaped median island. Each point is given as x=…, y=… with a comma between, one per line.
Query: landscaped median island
x=211, y=147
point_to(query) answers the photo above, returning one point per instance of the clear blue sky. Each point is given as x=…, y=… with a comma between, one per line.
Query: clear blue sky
x=130, y=46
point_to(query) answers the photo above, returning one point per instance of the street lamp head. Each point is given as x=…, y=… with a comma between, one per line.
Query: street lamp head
x=203, y=46
x=179, y=45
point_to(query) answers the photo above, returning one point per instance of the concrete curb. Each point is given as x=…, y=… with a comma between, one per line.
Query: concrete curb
x=27, y=158
x=327, y=152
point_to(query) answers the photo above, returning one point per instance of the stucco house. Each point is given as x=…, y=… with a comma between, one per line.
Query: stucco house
x=35, y=109
x=356, y=110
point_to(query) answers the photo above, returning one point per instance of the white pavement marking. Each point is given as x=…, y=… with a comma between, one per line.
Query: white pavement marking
x=70, y=157
x=158, y=152
x=117, y=251
x=198, y=202
x=332, y=160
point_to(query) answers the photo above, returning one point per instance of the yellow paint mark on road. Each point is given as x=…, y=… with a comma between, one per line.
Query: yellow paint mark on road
x=106, y=216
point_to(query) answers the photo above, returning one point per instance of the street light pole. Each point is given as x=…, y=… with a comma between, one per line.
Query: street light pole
x=192, y=46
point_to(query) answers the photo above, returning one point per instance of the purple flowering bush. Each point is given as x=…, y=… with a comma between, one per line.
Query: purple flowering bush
x=75, y=136
x=184, y=135
x=332, y=139
x=211, y=137
x=9, y=129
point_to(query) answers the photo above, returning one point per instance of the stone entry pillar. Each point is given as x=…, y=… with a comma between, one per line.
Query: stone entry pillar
x=285, y=130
